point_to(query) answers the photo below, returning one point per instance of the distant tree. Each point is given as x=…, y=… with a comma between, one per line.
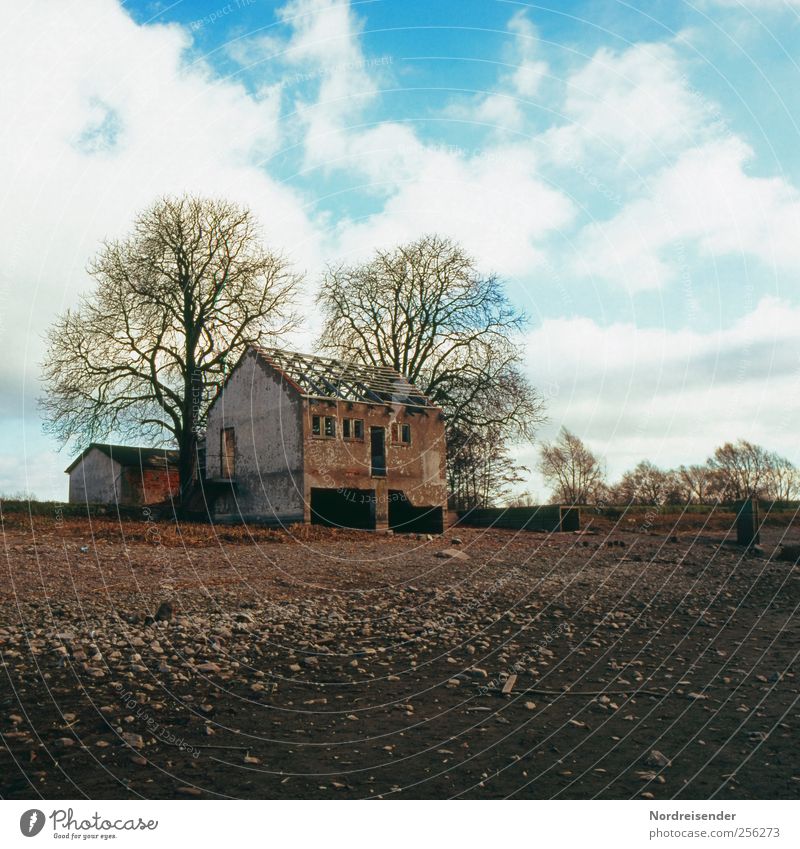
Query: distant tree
x=425, y=310
x=523, y=499
x=782, y=479
x=480, y=472
x=647, y=484
x=574, y=474
x=174, y=305
x=741, y=470
x=698, y=483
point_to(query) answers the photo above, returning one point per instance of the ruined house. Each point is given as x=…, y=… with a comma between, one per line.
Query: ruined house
x=299, y=438
x=124, y=475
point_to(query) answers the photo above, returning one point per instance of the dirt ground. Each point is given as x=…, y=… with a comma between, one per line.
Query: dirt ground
x=653, y=658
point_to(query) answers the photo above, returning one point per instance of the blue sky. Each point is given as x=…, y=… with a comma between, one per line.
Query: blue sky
x=629, y=169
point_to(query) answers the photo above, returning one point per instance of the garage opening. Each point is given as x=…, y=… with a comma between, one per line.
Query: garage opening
x=404, y=517
x=343, y=508
x=569, y=519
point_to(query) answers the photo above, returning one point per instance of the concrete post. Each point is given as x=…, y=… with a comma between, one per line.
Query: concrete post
x=747, y=522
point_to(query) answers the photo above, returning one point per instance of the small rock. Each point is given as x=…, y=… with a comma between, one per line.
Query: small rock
x=165, y=612
x=656, y=758
x=451, y=554
x=135, y=741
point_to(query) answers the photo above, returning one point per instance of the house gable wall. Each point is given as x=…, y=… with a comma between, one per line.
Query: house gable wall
x=266, y=416
x=96, y=479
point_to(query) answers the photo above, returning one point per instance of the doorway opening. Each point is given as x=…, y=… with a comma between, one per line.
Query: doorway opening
x=377, y=436
x=343, y=508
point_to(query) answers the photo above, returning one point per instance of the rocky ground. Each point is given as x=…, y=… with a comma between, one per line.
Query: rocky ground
x=643, y=659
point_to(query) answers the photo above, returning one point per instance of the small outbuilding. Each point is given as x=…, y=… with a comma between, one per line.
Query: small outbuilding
x=298, y=438
x=124, y=475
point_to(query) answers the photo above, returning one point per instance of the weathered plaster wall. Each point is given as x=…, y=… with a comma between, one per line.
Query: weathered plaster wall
x=95, y=480
x=267, y=419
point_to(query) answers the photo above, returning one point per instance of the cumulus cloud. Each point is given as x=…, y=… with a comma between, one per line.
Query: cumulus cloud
x=520, y=81
x=672, y=395
x=325, y=45
x=495, y=203
x=630, y=107
x=706, y=200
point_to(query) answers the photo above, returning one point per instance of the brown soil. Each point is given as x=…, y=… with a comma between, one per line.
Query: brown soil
x=326, y=664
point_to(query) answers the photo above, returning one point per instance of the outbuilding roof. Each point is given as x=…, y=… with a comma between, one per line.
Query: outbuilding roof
x=128, y=455
x=324, y=378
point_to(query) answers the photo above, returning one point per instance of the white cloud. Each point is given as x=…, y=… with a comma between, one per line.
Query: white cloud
x=706, y=199
x=520, y=81
x=629, y=107
x=672, y=395
x=325, y=47
x=495, y=203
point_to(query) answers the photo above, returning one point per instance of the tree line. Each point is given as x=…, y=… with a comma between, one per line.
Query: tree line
x=735, y=471
x=176, y=303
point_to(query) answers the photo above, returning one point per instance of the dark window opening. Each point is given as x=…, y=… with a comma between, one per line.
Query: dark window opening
x=401, y=433
x=353, y=428
x=330, y=426
x=315, y=426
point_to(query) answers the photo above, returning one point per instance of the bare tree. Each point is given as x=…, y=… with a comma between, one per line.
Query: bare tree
x=741, y=470
x=425, y=310
x=481, y=471
x=174, y=304
x=698, y=484
x=573, y=472
x=782, y=479
x=648, y=484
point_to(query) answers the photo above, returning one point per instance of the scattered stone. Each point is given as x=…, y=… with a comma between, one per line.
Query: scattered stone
x=135, y=741
x=656, y=758
x=165, y=612
x=451, y=554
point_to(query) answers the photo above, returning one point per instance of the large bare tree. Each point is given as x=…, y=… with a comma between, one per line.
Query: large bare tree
x=574, y=473
x=425, y=310
x=174, y=305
